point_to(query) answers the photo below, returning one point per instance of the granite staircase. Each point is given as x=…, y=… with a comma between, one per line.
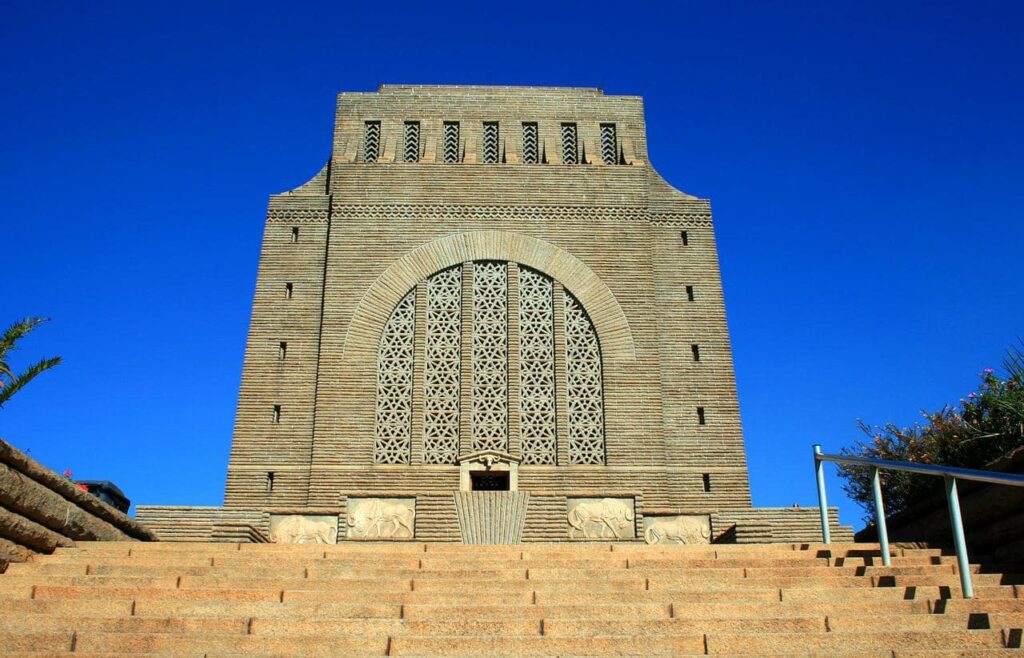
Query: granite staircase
x=132, y=598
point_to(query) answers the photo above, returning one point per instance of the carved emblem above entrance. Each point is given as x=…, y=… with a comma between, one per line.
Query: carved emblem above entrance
x=489, y=470
x=601, y=518
x=677, y=529
x=381, y=518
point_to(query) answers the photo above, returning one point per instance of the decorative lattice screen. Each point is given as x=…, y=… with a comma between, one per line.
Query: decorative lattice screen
x=442, y=366
x=394, y=385
x=584, y=387
x=536, y=368
x=490, y=356
x=446, y=312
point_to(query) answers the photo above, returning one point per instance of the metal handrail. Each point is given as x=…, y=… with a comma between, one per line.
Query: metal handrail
x=949, y=473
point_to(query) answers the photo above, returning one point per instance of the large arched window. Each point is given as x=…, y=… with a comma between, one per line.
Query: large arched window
x=502, y=357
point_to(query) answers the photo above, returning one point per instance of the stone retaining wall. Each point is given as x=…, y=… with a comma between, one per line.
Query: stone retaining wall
x=40, y=510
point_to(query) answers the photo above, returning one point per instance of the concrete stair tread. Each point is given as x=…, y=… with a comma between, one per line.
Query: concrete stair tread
x=414, y=599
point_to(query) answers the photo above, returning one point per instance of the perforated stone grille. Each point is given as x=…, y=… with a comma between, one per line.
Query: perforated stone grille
x=371, y=141
x=490, y=356
x=490, y=142
x=536, y=368
x=609, y=144
x=570, y=151
x=451, y=142
x=531, y=150
x=442, y=366
x=412, y=141
x=394, y=385
x=584, y=387
x=487, y=413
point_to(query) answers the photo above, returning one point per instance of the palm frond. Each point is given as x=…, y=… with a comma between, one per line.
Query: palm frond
x=9, y=390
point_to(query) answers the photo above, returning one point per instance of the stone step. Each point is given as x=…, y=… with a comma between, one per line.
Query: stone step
x=183, y=643
x=856, y=623
x=368, y=609
x=780, y=643
x=664, y=645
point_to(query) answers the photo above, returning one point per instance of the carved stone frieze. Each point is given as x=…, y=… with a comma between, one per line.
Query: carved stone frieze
x=684, y=529
x=381, y=518
x=601, y=518
x=299, y=529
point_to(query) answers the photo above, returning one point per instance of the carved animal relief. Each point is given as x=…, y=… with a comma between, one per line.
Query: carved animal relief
x=304, y=529
x=677, y=529
x=381, y=518
x=604, y=518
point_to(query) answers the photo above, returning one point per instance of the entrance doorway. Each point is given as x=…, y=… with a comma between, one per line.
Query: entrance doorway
x=489, y=480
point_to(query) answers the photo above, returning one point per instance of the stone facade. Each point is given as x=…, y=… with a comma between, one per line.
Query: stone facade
x=496, y=272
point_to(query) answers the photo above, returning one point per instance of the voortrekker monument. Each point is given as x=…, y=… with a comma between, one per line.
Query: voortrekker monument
x=488, y=319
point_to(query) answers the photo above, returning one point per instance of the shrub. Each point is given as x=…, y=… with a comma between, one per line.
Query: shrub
x=983, y=426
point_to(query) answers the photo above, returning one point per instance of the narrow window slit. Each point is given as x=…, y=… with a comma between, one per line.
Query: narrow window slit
x=295, y=234
x=685, y=237
x=288, y=289
x=707, y=482
x=282, y=350
x=277, y=413
x=700, y=416
x=270, y=482
x=689, y=293
x=695, y=348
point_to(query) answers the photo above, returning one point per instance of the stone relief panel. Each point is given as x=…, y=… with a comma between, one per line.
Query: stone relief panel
x=299, y=529
x=381, y=518
x=695, y=529
x=601, y=518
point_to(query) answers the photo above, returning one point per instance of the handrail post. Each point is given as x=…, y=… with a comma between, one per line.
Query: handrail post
x=883, y=532
x=958, y=537
x=819, y=471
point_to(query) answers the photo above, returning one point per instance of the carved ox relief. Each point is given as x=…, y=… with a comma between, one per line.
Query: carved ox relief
x=677, y=529
x=381, y=518
x=304, y=529
x=604, y=518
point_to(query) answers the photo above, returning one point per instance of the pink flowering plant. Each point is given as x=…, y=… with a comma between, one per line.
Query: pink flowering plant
x=984, y=425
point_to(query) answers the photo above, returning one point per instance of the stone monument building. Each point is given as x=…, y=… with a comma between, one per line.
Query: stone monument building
x=488, y=319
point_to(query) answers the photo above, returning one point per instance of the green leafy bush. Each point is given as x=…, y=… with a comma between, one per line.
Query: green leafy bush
x=983, y=426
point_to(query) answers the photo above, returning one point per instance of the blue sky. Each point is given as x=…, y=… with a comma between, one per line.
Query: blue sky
x=864, y=160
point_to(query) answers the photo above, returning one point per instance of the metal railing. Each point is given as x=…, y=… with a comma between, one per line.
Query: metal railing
x=949, y=473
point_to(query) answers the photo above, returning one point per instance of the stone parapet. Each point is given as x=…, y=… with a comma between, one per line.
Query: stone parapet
x=40, y=511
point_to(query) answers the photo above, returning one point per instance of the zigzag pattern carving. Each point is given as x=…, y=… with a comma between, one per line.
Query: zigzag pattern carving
x=412, y=141
x=394, y=385
x=584, y=386
x=609, y=144
x=490, y=143
x=570, y=152
x=371, y=142
x=442, y=366
x=531, y=152
x=451, y=142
